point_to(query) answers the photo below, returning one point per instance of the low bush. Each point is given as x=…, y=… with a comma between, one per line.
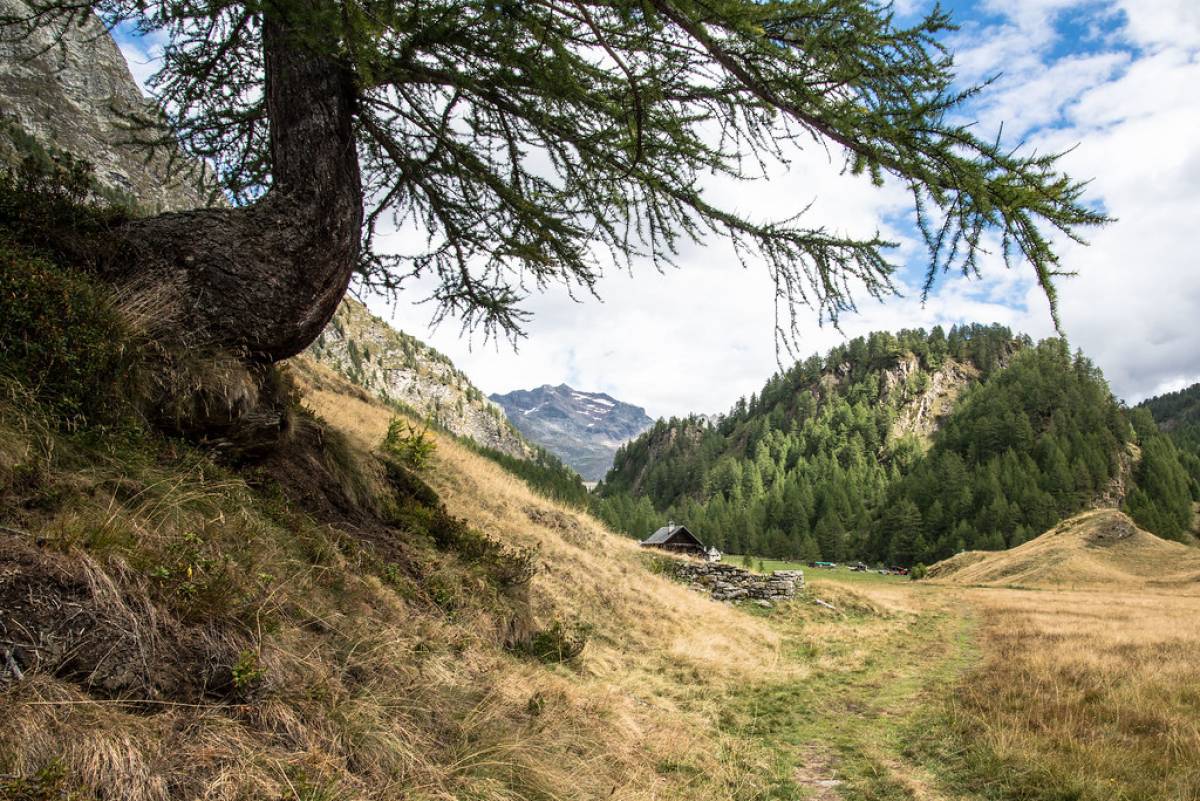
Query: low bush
x=412, y=446
x=60, y=334
x=559, y=642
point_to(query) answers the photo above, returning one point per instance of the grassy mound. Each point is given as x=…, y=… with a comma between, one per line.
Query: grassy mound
x=1100, y=548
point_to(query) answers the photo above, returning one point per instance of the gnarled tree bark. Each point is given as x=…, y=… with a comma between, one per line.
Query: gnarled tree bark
x=263, y=280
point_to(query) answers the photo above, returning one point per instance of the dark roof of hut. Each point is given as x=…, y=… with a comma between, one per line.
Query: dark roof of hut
x=667, y=532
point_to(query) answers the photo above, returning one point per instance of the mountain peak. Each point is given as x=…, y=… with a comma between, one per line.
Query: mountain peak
x=583, y=428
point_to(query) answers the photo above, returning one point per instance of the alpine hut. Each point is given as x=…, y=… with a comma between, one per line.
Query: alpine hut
x=676, y=538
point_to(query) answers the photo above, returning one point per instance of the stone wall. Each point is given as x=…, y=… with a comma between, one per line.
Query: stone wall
x=726, y=582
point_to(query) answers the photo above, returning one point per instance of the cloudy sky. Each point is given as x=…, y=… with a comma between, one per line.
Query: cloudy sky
x=1117, y=78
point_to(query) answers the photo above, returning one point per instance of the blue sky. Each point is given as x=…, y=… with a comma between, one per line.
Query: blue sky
x=1116, y=78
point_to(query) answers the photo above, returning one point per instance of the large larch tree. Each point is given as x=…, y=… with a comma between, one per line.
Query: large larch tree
x=544, y=141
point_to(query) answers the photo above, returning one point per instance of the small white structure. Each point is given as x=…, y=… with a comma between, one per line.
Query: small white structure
x=712, y=554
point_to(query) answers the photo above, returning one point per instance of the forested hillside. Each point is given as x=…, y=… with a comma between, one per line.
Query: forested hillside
x=907, y=448
x=1178, y=415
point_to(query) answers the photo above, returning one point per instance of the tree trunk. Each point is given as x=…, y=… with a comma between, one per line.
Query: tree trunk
x=263, y=280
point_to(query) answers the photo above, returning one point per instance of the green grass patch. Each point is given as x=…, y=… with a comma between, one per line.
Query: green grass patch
x=852, y=719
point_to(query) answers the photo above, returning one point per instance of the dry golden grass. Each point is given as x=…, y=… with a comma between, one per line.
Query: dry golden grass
x=370, y=689
x=1087, y=686
x=660, y=657
x=588, y=573
x=1084, y=695
x=1097, y=549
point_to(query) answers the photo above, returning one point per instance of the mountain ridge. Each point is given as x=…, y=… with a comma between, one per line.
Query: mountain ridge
x=584, y=429
x=399, y=368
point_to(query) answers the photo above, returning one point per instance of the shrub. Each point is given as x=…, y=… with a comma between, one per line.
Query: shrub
x=418, y=508
x=48, y=784
x=411, y=445
x=49, y=203
x=559, y=642
x=247, y=672
x=59, y=333
x=918, y=572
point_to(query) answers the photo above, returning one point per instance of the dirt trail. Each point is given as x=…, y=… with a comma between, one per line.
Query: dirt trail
x=845, y=733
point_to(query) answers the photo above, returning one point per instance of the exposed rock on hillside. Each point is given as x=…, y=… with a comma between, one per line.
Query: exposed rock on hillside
x=921, y=414
x=584, y=429
x=76, y=95
x=398, y=367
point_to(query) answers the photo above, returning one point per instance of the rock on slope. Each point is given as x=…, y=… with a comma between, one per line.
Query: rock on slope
x=922, y=414
x=399, y=368
x=75, y=95
x=1099, y=548
x=584, y=429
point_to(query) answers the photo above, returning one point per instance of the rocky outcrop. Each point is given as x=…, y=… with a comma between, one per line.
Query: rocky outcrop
x=927, y=398
x=75, y=93
x=1113, y=494
x=726, y=582
x=584, y=429
x=399, y=368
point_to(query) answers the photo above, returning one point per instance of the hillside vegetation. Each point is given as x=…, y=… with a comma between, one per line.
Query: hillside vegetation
x=1177, y=414
x=905, y=448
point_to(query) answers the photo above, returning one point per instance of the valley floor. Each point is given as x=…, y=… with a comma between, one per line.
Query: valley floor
x=931, y=691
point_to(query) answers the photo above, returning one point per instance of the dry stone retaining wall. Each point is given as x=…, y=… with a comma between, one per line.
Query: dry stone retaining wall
x=729, y=583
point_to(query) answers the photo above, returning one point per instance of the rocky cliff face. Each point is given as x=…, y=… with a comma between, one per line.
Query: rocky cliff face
x=584, y=429
x=74, y=93
x=400, y=368
x=925, y=402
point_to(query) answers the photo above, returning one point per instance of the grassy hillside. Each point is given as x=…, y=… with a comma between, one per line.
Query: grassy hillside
x=313, y=628
x=281, y=608
x=313, y=624
x=1101, y=548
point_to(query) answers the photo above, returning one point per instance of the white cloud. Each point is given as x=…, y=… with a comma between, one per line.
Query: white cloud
x=143, y=54
x=1171, y=23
